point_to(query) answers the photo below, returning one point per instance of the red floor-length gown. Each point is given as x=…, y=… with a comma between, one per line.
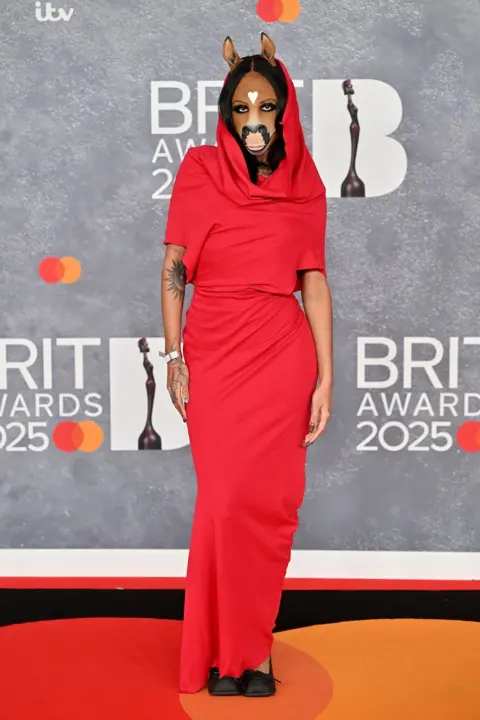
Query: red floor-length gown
x=253, y=368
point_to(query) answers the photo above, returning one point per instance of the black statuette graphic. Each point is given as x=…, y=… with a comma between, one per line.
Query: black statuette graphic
x=149, y=439
x=352, y=186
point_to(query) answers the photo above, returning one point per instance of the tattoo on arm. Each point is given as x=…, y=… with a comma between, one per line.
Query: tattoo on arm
x=176, y=276
x=178, y=364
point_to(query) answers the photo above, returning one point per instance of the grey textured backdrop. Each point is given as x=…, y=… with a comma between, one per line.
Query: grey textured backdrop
x=76, y=179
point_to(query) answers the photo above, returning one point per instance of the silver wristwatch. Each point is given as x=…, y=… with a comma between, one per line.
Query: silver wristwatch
x=171, y=356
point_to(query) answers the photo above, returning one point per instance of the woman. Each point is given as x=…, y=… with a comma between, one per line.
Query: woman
x=246, y=225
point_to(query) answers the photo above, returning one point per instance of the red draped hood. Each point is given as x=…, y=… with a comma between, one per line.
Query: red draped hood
x=295, y=179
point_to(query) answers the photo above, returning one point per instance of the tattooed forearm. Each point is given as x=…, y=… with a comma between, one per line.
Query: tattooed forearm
x=176, y=275
x=172, y=345
x=178, y=363
x=177, y=375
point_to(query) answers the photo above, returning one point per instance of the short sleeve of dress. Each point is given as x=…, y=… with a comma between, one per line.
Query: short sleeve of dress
x=311, y=252
x=188, y=220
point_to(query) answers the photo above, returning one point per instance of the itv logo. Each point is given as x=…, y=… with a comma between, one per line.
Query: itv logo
x=45, y=12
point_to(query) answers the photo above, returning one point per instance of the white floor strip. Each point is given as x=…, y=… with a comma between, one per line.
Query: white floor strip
x=327, y=564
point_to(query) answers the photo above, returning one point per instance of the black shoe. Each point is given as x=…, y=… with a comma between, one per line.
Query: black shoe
x=258, y=683
x=225, y=685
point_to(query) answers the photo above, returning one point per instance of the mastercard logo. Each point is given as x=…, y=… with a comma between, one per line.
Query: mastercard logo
x=85, y=436
x=283, y=10
x=468, y=436
x=66, y=270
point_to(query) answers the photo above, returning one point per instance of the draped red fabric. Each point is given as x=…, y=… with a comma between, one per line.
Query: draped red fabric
x=214, y=181
x=253, y=368
x=296, y=179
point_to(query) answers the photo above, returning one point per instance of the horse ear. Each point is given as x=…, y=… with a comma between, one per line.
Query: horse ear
x=268, y=48
x=230, y=55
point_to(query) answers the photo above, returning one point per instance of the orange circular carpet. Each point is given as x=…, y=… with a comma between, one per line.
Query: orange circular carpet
x=119, y=668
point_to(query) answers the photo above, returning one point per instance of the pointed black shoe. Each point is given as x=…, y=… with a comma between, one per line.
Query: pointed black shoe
x=258, y=683
x=226, y=685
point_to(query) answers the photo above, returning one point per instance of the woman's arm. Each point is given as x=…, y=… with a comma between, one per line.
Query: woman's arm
x=172, y=298
x=317, y=303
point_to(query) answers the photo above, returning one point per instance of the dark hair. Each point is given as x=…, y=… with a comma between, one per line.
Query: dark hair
x=277, y=80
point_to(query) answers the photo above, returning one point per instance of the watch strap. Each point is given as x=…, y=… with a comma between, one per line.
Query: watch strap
x=171, y=356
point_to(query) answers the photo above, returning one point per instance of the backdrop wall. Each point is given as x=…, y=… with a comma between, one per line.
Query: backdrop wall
x=98, y=106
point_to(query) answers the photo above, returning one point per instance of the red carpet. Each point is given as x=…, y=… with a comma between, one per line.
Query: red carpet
x=90, y=669
x=106, y=669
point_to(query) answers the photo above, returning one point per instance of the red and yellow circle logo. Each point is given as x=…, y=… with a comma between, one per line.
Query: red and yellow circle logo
x=283, y=10
x=468, y=436
x=85, y=436
x=65, y=270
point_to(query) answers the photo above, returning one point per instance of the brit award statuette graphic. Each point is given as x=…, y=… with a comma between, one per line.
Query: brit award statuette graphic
x=352, y=186
x=149, y=439
x=128, y=408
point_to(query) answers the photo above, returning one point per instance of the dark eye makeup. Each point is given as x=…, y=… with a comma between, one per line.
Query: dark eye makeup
x=266, y=107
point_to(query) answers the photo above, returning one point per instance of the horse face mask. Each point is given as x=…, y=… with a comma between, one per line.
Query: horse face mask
x=254, y=103
x=254, y=110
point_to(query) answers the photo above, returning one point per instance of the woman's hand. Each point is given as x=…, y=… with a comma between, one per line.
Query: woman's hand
x=177, y=385
x=321, y=400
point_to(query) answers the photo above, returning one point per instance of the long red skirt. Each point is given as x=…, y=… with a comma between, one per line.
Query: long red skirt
x=253, y=369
